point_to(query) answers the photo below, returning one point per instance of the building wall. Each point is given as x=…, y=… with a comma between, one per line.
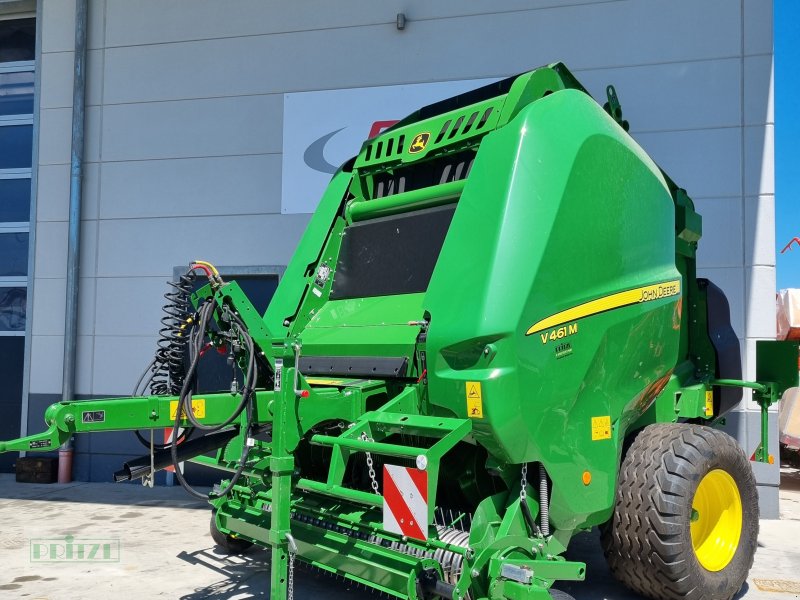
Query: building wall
x=184, y=145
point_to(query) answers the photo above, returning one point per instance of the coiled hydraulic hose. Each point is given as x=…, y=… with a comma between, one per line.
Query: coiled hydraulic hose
x=165, y=373
x=166, y=370
x=172, y=343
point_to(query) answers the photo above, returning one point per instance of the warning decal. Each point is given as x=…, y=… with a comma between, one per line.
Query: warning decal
x=93, y=416
x=198, y=409
x=709, y=403
x=601, y=428
x=474, y=400
x=405, y=501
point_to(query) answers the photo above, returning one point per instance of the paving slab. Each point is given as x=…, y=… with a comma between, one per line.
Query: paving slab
x=158, y=546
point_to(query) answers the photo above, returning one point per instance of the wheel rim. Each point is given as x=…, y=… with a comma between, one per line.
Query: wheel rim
x=716, y=524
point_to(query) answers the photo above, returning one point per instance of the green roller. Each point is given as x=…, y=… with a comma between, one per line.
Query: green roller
x=490, y=338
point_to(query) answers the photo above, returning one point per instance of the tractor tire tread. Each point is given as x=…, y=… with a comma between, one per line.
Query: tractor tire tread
x=645, y=542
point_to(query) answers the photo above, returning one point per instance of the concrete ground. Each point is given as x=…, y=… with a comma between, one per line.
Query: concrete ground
x=165, y=550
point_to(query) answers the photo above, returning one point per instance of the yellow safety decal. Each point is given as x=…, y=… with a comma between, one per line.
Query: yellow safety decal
x=312, y=381
x=198, y=409
x=601, y=428
x=646, y=293
x=419, y=142
x=709, y=403
x=474, y=400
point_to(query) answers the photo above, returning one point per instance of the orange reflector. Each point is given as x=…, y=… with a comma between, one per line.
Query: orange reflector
x=771, y=459
x=587, y=478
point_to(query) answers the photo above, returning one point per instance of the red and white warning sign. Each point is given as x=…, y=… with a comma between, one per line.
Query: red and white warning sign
x=405, y=501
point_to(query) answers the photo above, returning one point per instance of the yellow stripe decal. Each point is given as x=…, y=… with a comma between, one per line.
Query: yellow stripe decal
x=646, y=293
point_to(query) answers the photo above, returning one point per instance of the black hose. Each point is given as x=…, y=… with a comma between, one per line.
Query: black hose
x=239, y=470
x=164, y=375
x=168, y=368
x=533, y=528
x=185, y=403
x=187, y=433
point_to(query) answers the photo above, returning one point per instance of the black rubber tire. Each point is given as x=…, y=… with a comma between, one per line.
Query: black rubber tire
x=647, y=542
x=229, y=544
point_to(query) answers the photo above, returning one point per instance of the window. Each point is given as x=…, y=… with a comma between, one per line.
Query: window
x=12, y=308
x=15, y=199
x=17, y=70
x=16, y=93
x=14, y=253
x=16, y=145
x=17, y=40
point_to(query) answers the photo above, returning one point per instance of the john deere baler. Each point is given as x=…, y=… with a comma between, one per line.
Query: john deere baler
x=490, y=338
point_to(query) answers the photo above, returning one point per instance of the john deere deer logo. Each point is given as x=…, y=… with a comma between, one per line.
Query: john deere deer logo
x=419, y=142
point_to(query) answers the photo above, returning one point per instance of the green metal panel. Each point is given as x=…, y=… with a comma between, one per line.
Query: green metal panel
x=541, y=227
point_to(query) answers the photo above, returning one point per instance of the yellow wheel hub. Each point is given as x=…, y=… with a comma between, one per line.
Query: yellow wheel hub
x=716, y=520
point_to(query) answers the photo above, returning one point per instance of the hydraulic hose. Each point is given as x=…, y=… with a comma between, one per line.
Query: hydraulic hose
x=197, y=337
x=183, y=329
x=164, y=375
x=206, y=311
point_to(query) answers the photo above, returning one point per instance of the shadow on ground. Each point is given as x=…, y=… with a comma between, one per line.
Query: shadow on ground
x=119, y=494
x=246, y=577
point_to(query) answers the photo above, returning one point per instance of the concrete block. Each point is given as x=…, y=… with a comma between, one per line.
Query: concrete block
x=56, y=87
x=760, y=302
x=759, y=230
x=47, y=355
x=55, y=135
x=176, y=241
x=721, y=245
x=52, y=199
x=48, y=306
x=212, y=65
x=84, y=364
x=706, y=163
x=58, y=25
x=129, y=306
x=193, y=128
x=202, y=186
x=759, y=90
x=757, y=19
x=665, y=96
x=759, y=160
x=51, y=249
x=118, y=362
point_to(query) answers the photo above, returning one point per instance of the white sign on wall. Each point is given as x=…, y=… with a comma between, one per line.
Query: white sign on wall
x=323, y=129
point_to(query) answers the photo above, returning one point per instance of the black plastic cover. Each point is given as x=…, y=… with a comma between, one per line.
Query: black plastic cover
x=391, y=255
x=726, y=344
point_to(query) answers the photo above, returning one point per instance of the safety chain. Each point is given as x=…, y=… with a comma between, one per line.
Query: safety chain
x=370, y=463
x=292, y=553
x=290, y=587
x=524, y=482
